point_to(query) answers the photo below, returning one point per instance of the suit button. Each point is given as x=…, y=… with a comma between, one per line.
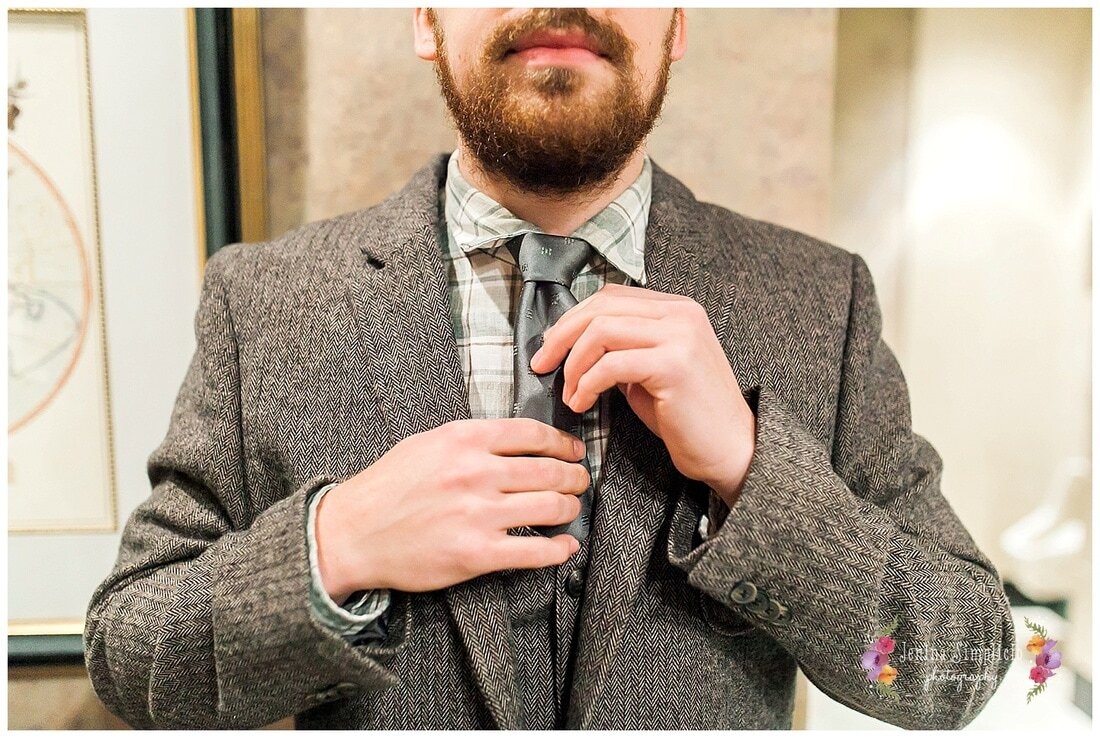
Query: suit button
x=772, y=611
x=783, y=619
x=759, y=605
x=574, y=583
x=743, y=592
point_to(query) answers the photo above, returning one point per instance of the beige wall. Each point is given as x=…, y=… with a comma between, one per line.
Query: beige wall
x=871, y=126
x=352, y=112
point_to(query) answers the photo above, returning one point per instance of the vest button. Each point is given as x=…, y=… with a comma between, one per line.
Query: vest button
x=574, y=583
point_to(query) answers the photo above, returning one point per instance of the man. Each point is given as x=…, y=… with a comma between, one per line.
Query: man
x=350, y=521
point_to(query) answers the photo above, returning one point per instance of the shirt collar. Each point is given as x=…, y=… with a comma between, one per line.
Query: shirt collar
x=617, y=232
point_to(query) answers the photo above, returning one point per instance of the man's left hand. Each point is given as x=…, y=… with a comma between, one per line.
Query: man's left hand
x=660, y=350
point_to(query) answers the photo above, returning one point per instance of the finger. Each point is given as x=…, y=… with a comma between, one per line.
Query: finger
x=533, y=552
x=560, y=337
x=607, y=333
x=521, y=437
x=616, y=289
x=534, y=473
x=614, y=367
x=535, y=508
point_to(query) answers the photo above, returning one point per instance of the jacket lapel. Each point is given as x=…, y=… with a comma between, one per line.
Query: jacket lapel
x=631, y=504
x=397, y=289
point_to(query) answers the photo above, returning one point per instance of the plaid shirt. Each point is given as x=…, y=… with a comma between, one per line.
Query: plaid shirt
x=485, y=285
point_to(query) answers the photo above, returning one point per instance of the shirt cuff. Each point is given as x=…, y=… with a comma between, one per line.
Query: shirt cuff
x=717, y=511
x=363, y=613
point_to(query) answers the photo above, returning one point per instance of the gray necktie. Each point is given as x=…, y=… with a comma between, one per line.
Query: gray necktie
x=548, y=265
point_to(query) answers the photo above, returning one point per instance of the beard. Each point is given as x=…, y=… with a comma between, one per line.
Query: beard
x=539, y=129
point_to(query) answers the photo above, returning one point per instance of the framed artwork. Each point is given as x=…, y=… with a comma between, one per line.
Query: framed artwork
x=60, y=442
x=106, y=250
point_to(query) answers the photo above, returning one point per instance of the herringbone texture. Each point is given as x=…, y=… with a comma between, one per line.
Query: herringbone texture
x=319, y=351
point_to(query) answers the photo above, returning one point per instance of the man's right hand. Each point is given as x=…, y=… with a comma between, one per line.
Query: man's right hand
x=435, y=509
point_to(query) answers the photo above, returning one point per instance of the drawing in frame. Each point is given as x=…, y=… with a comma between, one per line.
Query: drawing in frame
x=228, y=104
x=61, y=474
x=61, y=458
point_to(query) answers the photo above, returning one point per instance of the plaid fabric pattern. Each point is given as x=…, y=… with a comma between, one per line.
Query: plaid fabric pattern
x=485, y=284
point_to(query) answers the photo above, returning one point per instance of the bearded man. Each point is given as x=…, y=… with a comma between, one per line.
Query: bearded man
x=541, y=441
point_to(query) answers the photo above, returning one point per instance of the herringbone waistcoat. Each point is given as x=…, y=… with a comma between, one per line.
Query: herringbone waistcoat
x=543, y=607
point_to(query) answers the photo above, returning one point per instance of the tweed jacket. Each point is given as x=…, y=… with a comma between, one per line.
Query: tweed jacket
x=320, y=350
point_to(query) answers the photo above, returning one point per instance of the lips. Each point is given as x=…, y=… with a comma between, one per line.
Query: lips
x=556, y=40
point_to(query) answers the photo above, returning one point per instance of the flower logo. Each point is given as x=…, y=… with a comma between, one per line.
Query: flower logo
x=1047, y=660
x=876, y=661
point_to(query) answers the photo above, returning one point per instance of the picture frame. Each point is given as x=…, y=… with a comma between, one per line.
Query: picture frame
x=153, y=251
x=230, y=105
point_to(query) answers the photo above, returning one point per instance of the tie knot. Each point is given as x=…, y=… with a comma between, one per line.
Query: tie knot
x=545, y=258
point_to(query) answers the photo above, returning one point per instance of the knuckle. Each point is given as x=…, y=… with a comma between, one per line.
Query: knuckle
x=585, y=383
x=460, y=432
x=600, y=326
x=508, y=557
x=547, y=436
x=699, y=314
x=676, y=363
x=473, y=561
x=547, y=508
x=469, y=508
x=566, y=476
x=546, y=474
x=460, y=477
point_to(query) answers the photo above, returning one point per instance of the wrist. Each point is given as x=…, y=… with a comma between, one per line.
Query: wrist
x=327, y=535
x=729, y=479
x=728, y=492
x=728, y=482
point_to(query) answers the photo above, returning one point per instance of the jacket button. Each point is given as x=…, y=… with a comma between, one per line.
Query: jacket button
x=783, y=619
x=743, y=592
x=759, y=605
x=772, y=611
x=574, y=583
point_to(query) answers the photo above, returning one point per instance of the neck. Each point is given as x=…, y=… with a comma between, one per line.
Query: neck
x=558, y=216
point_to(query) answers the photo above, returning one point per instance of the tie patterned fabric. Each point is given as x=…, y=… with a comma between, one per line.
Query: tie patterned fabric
x=549, y=264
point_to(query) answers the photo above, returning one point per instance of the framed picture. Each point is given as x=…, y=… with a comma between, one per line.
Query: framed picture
x=60, y=450
x=106, y=250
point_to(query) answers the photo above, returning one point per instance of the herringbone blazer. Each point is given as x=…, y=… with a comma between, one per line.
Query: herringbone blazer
x=320, y=350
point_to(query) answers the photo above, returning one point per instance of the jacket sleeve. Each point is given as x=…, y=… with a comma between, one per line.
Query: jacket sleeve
x=825, y=547
x=206, y=620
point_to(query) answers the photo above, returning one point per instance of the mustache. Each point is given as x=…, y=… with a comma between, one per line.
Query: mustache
x=611, y=41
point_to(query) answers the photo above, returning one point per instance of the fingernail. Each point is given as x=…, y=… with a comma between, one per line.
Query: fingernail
x=575, y=545
x=535, y=358
x=578, y=446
